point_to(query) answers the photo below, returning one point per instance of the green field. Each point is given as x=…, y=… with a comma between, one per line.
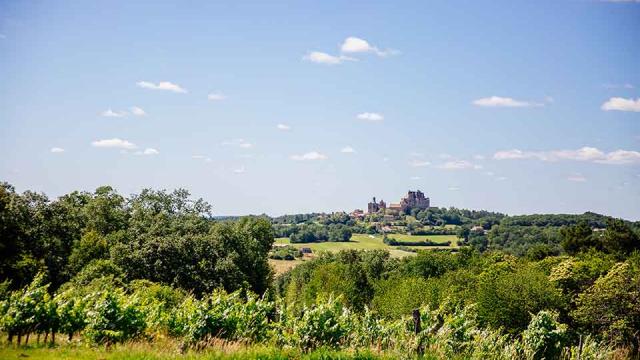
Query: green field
x=374, y=242
x=434, y=238
x=169, y=350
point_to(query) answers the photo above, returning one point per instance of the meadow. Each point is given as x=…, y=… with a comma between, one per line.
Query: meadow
x=168, y=349
x=374, y=242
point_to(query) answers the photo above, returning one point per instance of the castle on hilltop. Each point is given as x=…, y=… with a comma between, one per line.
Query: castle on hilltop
x=414, y=199
x=374, y=207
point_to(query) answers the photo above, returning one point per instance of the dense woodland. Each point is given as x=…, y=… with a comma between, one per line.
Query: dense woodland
x=105, y=268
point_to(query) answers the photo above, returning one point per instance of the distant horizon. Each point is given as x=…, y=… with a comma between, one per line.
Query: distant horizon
x=216, y=214
x=289, y=107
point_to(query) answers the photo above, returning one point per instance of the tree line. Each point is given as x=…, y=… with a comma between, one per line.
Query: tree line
x=161, y=236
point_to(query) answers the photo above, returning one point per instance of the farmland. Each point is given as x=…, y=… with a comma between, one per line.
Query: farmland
x=374, y=242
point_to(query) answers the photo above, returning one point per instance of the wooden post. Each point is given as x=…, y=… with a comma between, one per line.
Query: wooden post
x=416, y=330
x=416, y=321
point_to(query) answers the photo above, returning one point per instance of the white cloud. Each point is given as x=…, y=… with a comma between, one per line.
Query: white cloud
x=511, y=154
x=137, y=111
x=216, y=96
x=150, y=151
x=239, y=170
x=418, y=163
x=111, y=113
x=353, y=44
x=313, y=155
x=415, y=178
x=621, y=157
x=576, y=178
x=319, y=57
x=283, y=127
x=478, y=157
x=459, y=165
x=621, y=104
x=453, y=188
x=497, y=101
x=162, y=85
x=239, y=143
x=114, y=143
x=585, y=153
x=370, y=116
x=347, y=150
x=57, y=150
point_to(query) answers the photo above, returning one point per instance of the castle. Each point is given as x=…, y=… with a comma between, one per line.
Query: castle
x=414, y=199
x=374, y=207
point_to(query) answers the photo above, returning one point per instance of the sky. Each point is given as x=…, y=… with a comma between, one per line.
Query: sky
x=297, y=106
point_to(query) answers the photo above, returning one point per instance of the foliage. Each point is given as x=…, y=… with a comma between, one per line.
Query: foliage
x=285, y=253
x=544, y=337
x=611, y=306
x=508, y=293
x=113, y=317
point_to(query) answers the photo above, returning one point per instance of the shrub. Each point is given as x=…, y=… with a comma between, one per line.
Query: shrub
x=611, y=306
x=325, y=324
x=112, y=318
x=508, y=294
x=544, y=337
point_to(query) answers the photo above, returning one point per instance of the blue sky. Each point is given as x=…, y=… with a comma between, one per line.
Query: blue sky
x=287, y=107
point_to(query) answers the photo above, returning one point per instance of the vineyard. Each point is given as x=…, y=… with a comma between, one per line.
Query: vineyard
x=103, y=313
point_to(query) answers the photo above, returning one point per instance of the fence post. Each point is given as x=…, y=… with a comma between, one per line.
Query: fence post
x=416, y=330
x=416, y=321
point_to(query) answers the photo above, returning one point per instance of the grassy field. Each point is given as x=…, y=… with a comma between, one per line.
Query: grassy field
x=282, y=266
x=166, y=350
x=374, y=242
x=434, y=238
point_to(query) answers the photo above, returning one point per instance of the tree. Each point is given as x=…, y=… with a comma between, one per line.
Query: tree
x=619, y=238
x=508, y=293
x=105, y=212
x=611, y=306
x=577, y=238
x=91, y=246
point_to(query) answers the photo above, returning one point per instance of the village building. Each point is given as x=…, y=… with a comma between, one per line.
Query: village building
x=413, y=200
x=374, y=207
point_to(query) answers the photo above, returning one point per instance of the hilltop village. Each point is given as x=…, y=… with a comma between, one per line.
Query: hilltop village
x=413, y=200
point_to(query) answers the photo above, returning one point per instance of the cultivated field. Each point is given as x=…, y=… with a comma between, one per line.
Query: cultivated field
x=374, y=242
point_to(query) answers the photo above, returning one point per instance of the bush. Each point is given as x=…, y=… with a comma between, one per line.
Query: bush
x=509, y=293
x=325, y=324
x=611, y=306
x=545, y=336
x=222, y=315
x=112, y=318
